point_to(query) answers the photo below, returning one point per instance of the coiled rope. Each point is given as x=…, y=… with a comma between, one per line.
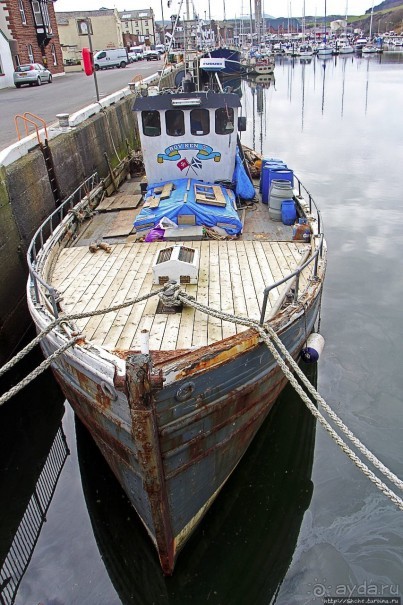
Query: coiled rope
x=171, y=294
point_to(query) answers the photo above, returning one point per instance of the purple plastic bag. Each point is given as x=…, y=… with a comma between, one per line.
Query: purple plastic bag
x=155, y=235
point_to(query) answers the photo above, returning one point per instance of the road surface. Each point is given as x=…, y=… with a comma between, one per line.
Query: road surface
x=66, y=94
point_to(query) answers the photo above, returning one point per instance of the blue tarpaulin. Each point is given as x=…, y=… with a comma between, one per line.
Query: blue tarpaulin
x=182, y=202
x=244, y=186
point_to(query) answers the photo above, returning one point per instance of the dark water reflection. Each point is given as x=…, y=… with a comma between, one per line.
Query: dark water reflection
x=297, y=520
x=338, y=123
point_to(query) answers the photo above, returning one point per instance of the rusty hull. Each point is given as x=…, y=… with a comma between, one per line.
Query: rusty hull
x=173, y=454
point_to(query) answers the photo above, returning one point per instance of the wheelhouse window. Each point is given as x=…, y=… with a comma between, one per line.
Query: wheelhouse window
x=199, y=121
x=30, y=53
x=22, y=12
x=175, y=122
x=151, y=123
x=224, y=120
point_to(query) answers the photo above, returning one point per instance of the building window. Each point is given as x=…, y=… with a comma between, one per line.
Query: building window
x=46, y=18
x=22, y=12
x=30, y=53
x=17, y=61
x=37, y=12
x=53, y=51
x=151, y=123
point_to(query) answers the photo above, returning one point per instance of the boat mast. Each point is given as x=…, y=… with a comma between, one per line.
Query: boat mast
x=258, y=20
x=251, y=22
x=370, y=22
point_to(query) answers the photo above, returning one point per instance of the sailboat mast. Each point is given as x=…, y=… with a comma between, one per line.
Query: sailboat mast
x=370, y=22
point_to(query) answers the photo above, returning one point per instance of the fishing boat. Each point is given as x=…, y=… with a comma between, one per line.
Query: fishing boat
x=259, y=65
x=154, y=294
x=231, y=57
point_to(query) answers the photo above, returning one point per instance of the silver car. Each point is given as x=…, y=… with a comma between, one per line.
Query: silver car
x=31, y=73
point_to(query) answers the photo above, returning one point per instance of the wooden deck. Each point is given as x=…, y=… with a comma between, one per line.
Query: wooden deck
x=232, y=276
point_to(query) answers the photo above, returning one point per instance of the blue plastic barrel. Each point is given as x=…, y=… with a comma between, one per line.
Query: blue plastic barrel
x=269, y=162
x=288, y=212
x=268, y=175
x=282, y=174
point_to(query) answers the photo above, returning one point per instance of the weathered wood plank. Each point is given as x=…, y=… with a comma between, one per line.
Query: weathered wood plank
x=122, y=224
x=226, y=302
x=120, y=201
x=246, y=271
x=267, y=274
x=238, y=294
x=232, y=276
x=214, y=327
x=128, y=291
x=199, y=337
x=187, y=317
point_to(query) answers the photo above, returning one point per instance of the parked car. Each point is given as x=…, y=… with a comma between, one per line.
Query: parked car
x=31, y=73
x=152, y=55
x=139, y=52
x=133, y=57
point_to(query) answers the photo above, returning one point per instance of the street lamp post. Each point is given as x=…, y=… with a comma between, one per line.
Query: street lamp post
x=91, y=51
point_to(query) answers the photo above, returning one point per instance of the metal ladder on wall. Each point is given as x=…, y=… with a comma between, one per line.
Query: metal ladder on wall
x=31, y=118
x=50, y=167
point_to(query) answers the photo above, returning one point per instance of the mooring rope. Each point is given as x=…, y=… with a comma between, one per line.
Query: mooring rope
x=170, y=294
x=268, y=335
x=38, y=370
x=63, y=319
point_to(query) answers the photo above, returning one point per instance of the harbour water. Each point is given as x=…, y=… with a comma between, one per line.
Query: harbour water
x=297, y=521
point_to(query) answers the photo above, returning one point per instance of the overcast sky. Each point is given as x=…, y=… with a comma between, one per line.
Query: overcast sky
x=233, y=8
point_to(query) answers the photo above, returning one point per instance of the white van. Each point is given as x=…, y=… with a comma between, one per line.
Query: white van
x=139, y=50
x=111, y=57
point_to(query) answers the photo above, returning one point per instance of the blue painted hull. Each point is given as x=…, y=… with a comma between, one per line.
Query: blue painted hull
x=172, y=457
x=232, y=60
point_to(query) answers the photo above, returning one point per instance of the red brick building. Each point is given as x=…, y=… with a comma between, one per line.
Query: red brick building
x=35, y=39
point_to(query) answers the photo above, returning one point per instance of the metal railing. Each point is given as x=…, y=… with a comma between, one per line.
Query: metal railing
x=29, y=118
x=294, y=277
x=48, y=228
x=25, y=539
x=295, y=274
